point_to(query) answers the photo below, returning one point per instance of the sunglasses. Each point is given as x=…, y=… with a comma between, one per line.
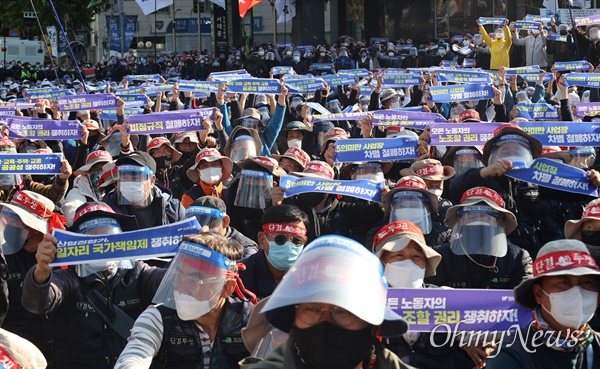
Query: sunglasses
x=281, y=239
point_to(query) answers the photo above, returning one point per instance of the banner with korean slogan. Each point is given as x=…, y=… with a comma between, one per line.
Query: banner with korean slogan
x=564, y=133
x=485, y=21
x=169, y=122
x=255, y=86
x=359, y=73
x=44, y=129
x=462, y=134
x=136, y=100
x=591, y=80
x=376, y=149
x=16, y=104
x=537, y=111
x=143, y=77
x=405, y=118
x=535, y=69
x=558, y=176
x=472, y=91
x=534, y=77
x=304, y=85
x=572, y=65
x=449, y=63
x=8, y=111
x=587, y=21
x=52, y=95
x=339, y=116
x=442, y=310
x=538, y=18
x=112, y=113
x=30, y=163
x=583, y=109
x=552, y=36
x=229, y=73
x=282, y=70
x=199, y=86
x=74, y=248
x=342, y=80
x=463, y=76
x=321, y=67
x=528, y=25
x=400, y=80
x=87, y=102
x=362, y=189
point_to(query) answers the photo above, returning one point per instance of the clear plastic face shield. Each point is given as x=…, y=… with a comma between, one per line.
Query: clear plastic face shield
x=465, y=159
x=254, y=189
x=456, y=111
x=7, y=181
x=194, y=281
x=522, y=97
x=260, y=99
x=212, y=218
x=265, y=113
x=368, y=171
x=478, y=39
x=27, y=147
x=294, y=102
x=251, y=123
x=134, y=185
x=113, y=144
x=514, y=148
x=394, y=102
x=243, y=147
x=334, y=106
x=479, y=231
x=13, y=232
x=412, y=206
x=583, y=158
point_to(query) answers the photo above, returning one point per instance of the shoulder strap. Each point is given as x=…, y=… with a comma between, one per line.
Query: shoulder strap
x=113, y=316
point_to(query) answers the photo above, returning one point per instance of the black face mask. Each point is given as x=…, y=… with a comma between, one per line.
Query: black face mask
x=163, y=162
x=563, y=33
x=93, y=140
x=185, y=156
x=43, y=179
x=591, y=237
x=330, y=346
x=313, y=199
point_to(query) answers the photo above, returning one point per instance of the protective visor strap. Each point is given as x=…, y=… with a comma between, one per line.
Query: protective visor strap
x=240, y=289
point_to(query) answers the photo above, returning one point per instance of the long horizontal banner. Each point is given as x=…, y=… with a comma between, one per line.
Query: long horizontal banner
x=282, y=70
x=41, y=90
x=389, y=117
x=136, y=100
x=591, y=80
x=523, y=70
x=534, y=77
x=537, y=111
x=442, y=310
x=16, y=104
x=528, y=25
x=44, y=129
x=333, y=80
x=583, y=109
x=485, y=20
x=87, y=102
x=549, y=133
x=199, y=86
x=400, y=80
x=229, y=73
x=143, y=77
x=52, y=95
x=572, y=65
x=306, y=85
x=111, y=114
x=321, y=67
x=558, y=176
x=75, y=248
x=375, y=149
x=231, y=77
x=463, y=76
x=34, y=164
x=169, y=122
x=461, y=92
x=360, y=73
x=538, y=18
x=362, y=189
x=587, y=21
x=11, y=112
x=255, y=86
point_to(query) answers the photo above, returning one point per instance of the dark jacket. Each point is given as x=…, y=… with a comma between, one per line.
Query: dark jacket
x=226, y=351
x=257, y=277
x=83, y=339
x=250, y=247
x=457, y=271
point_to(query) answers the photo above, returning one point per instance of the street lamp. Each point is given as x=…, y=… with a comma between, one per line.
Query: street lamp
x=173, y=28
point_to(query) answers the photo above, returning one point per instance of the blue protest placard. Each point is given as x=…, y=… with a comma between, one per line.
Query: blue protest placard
x=553, y=36
x=16, y=104
x=537, y=111
x=44, y=129
x=143, y=77
x=587, y=21
x=342, y=80
x=228, y=72
x=462, y=134
x=564, y=133
x=255, y=86
x=486, y=20
x=362, y=189
x=74, y=248
x=471, y=91
x=533, y=77
x=556, y=175
x=583, y=109
x=111, y=114
x=572, y=65
x=538, y=18
x=457, y=310
x=358, y=73
x=282, y=70
x=591, y=80
x=375, y=149
x=535, y=69
x=321, y=66
x=304, y=85
x=52, y=95
x=199, y=86
x=449, y=64
x=528, y=25
x=463, y=76
x=136, y=100
x=87, y=102
x=400, y=80
x=8, y=112
x=405, y=118
x=33, y=164
x=169, y=121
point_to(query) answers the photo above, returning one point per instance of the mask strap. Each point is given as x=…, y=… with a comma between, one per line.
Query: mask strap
x=240, y=290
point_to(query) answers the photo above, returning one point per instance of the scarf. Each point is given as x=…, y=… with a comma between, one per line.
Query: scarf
x=575, y=344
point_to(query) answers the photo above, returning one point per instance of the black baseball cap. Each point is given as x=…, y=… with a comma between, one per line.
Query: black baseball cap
x=138, y=158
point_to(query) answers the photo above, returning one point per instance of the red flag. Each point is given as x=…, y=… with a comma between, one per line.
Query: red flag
x=245, y=5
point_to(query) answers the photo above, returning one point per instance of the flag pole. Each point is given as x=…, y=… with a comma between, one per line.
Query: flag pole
x=575, y=28
x=43, y=38
x=69, y=46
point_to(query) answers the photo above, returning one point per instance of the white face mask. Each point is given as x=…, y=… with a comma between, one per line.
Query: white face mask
x=133, y=191
x=395, y=105
x=211, y=175
x=295, y=143
x=373, y=177
x=499, y=35
x=466, y=43
x=405, y=274
x=436, y=192
x=188, y=308
x=572, y=308
x=296, y=58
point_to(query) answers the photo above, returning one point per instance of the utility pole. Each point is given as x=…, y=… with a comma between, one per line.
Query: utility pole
x=122, y=27
x=199, y=26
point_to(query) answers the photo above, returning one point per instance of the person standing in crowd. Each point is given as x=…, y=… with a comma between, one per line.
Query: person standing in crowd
x=499, y=46
x=535, y=46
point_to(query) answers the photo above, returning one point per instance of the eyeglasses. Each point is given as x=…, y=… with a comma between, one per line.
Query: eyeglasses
x=159, y=153
x=312, y=314
x=281, y=239
x=193, y=285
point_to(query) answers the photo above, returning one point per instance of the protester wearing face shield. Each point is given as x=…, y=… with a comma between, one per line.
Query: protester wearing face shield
x=76, y=296
x=482, y=52
x=390, y=99
x=499, y=47
x=333, y=324
x=85, y=185
x=197, y=305
x=509, y=148
x=165, y=155
x=208, y=174
x=136, y=193
x=535, y=46
x=113, y=141
x=293, y=160
x=563, y=51
x=211, y=213
x=583, y=157
x=563, y=295
x=343, y=61
x=463, y=158
x=23, y=223
x=406, y=260
x=243, y=143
